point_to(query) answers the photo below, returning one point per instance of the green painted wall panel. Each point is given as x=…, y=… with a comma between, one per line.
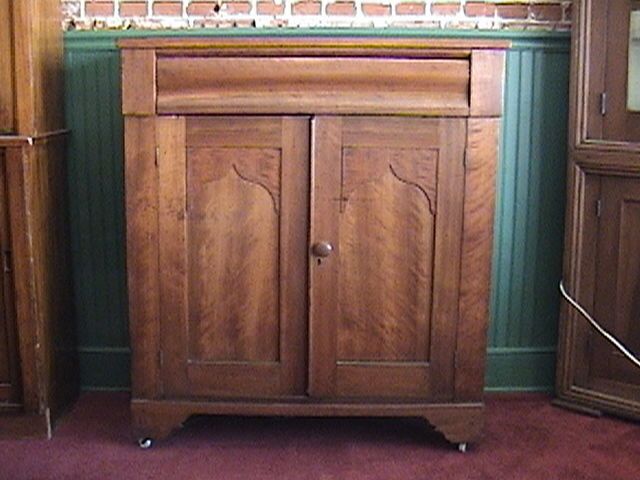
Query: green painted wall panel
x=529, y=214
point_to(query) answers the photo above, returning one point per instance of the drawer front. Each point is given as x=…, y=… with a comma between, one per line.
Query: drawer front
x=313, y=85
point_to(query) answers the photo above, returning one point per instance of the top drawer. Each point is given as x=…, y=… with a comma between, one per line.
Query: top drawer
x=312, y=85
x=312, y=76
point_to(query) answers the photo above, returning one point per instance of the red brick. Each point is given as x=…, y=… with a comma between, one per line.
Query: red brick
x=306, y=7
x=236, y=7
x=410, y=8
x=547, y=12
x=567, y=12
x=479, y=9
x=133, y=9
x=513, y=11
x=445, y=8
x=168, y=9
x=270, y=8
x=376, y=9
x=203, y=8
x=341, y=8
x=99, y=9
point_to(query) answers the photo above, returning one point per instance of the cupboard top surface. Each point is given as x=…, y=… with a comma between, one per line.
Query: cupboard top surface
x=333, y=46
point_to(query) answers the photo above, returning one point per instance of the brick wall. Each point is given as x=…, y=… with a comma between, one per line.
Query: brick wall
x=464, y=14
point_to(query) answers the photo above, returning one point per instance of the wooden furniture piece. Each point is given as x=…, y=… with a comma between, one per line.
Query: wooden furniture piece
x=602, y=265
x=309, y=227
x=37, y=369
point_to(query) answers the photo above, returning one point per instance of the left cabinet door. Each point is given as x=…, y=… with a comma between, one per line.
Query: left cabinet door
x=232, y=224
x=9, y=364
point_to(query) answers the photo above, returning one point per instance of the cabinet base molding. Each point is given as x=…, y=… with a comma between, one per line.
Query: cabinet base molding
x=595, y=404
x=15, y=426
x=157, y=419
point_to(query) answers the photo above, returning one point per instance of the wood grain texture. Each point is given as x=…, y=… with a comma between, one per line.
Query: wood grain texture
x=311, y=85
x=141, y=209
x=487, y=80
x=459, y=423
x=618, y=287
x=228, y=300
x=601, y=222
x=138, y=68
x=329, y=46
x=35, y=241
x=7, y=95
x=477, y=243
x=36, y=182
x=371, y=299
x=243, y=217
x=38, y=75
x=233, y=297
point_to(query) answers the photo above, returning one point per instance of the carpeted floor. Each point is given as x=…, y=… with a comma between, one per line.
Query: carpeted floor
x=525, y=439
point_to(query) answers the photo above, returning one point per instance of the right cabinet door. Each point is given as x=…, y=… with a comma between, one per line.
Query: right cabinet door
x=617, y=299
x=386, y=222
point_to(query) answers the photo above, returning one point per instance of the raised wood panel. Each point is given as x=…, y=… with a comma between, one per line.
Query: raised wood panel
x=6, y=68
x=233, y=278
x=310, y=85
x=386, y=244
x=379, y=306
x=233, y=321
x=618, y=280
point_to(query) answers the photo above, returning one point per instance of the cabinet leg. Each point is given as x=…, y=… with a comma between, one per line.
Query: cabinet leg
x=151, y=424
x=459, y=425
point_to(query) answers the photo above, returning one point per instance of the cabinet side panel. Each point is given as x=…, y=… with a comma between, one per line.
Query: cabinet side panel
x=46, y=203
x=38, y=66
x=141, y=194
x=477, y=240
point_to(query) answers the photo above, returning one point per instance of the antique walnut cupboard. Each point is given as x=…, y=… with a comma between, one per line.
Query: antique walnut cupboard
x=37, y=361
x=309, y=226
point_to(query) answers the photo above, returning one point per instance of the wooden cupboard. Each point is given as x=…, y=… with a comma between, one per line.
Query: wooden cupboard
x=309, y=227
x=602, y=267
x=38, y=375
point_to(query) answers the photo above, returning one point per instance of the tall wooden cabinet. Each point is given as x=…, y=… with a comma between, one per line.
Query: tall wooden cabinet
x=602, y=265
x=37, y=369
x=309, y=227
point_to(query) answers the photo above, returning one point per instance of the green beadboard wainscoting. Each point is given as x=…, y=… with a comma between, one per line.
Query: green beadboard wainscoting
x=529, y=215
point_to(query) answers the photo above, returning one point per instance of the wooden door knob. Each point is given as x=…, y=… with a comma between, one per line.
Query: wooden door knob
x=322, y=249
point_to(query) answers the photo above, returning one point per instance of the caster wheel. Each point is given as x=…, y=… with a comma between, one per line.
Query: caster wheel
x=145, y=442
x=462, y=447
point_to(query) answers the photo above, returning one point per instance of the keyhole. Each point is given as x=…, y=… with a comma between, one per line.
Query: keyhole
x=319, y=260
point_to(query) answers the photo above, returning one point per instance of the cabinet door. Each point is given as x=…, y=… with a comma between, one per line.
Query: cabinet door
x=617, y=299
x=233, y=223
x=387, y=196
x=9, y=379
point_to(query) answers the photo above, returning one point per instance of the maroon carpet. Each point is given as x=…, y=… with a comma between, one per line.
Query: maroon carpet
x=525, y=438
